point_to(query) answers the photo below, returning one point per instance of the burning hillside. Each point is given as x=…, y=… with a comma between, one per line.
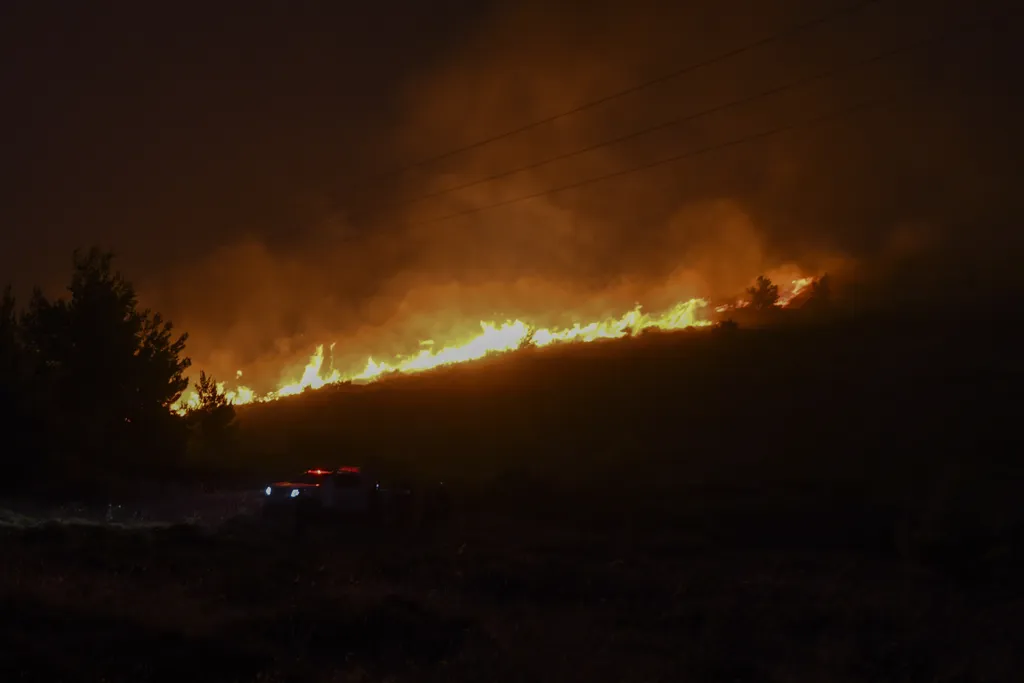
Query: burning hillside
x=497, y=338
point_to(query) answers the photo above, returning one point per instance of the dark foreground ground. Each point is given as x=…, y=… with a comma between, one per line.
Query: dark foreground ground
x=838, y=503
x=487, y=600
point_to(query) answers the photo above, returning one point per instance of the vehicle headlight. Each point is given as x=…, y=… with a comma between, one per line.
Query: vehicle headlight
x=267, y=491
x=295, y=493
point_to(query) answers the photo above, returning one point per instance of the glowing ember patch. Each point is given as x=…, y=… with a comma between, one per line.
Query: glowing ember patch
x=354, y=470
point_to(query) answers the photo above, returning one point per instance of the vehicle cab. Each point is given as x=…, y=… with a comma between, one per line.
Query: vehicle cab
x=350, y=489
x=345, y=489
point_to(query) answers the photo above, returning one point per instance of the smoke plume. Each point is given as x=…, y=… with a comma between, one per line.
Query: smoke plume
x=320, y=253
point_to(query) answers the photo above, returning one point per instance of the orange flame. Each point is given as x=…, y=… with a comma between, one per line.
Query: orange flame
x=492, y=338
x=797, y=288
x=786, y=295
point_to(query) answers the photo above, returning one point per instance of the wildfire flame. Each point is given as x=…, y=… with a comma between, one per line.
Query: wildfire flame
x=492, y=338
x=798, y=287
x=786, y=297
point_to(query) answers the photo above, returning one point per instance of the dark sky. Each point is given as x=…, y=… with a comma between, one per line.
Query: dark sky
x=232, y=157
x=168, y=133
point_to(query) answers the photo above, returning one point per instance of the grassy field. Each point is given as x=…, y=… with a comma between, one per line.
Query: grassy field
x=809, y=502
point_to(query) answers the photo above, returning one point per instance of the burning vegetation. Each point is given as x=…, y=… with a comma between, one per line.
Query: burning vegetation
x=496, y=338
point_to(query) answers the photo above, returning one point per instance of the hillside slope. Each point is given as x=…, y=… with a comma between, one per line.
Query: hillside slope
x=891, y=405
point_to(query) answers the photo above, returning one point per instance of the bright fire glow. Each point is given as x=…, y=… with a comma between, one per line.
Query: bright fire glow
x=799, y=286
x=492, y=338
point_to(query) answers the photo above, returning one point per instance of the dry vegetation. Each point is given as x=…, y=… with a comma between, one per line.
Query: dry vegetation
x=805, y=503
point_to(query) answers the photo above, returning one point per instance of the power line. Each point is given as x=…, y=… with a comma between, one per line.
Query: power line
x=653, y=164
x=846, y=111
x=792, y=30
x=792, y=85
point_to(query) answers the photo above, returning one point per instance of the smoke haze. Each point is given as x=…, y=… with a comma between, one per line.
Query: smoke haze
x=240, y=179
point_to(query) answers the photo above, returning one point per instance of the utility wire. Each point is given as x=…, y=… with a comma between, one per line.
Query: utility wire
x=792, y=30
x=846, y=111
x=664, y=125
x=642, y=167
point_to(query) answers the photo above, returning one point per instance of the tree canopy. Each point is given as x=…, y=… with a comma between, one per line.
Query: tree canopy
x=763, y=294
x=212, y=417
x=100, y=373
x=821, y=292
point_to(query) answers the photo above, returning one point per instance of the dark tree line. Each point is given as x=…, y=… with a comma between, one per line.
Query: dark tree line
x=87, y=381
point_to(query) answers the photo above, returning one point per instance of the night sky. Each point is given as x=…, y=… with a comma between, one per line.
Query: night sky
x=237, y=158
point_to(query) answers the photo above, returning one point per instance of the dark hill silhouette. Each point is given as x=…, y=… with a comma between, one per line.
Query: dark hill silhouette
x=879, y=405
